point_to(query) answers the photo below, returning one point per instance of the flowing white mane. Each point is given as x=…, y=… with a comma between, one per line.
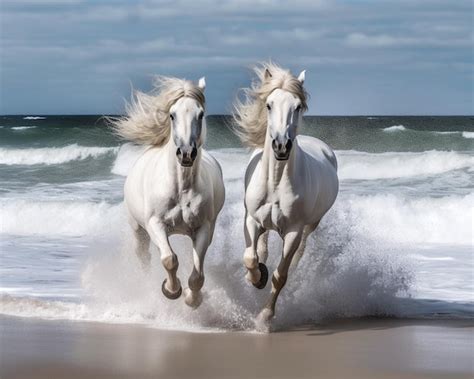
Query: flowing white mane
x=250, y=115
x=147, y=120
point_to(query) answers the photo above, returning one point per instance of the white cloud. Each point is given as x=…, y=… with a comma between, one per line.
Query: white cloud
x=384, y=40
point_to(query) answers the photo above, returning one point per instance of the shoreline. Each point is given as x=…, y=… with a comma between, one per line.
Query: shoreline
x=360, y=348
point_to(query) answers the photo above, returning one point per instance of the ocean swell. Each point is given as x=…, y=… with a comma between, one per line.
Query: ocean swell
x=51, y=155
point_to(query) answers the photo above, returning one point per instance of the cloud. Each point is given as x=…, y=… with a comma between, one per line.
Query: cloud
x=19, y=3
x=384, y=40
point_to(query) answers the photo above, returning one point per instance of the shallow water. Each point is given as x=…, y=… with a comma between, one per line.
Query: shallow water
x=398, y=240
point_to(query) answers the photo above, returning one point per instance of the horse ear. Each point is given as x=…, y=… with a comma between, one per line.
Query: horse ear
x=267, y=74
x=301, y=76
x=202, y=83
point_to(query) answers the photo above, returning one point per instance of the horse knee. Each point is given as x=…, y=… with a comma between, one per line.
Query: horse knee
x=279, y=280
x=250, y=259
x=196, y=281
x=170, y=262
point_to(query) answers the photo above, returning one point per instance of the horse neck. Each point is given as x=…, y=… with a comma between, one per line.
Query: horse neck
x=274, y=170
x=185, y=176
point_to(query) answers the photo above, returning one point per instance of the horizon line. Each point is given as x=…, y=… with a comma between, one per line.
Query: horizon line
x=228, y=114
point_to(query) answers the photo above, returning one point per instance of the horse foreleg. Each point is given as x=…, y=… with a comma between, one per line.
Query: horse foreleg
x=172, y=286
x=262, y=247
x=256, y=273
x=142, y=247
x=291, y=243
x=201, y=241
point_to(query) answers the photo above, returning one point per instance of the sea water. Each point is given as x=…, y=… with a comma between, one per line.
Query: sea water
x=398, y=241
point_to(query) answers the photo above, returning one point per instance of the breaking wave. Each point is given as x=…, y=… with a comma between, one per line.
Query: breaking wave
x=51, y=155
x=34, y=118
x=394, y=128
x=366, y=166
x=21, y=217
x=23, y=127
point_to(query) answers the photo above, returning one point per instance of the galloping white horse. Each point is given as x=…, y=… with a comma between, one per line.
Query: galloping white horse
x=175, y=187
x=289, y=184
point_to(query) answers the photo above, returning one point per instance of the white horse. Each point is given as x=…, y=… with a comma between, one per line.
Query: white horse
x=290, y=182
x=175, y=187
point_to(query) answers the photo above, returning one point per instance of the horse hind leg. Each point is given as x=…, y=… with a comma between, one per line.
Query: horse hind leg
x=257, y=272
x=142, y=247
x=292, y=241
x=300, y=251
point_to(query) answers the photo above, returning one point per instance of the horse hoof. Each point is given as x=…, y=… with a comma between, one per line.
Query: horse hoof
x=263, y=321
x=263, y=277
x=168, y=294
x=191, y=299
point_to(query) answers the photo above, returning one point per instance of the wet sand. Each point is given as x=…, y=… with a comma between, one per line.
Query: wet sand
x=369, y=348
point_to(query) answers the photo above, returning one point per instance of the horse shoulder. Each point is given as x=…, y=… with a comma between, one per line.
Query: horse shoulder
x=320, y=180
x=143, y=197
x=212, y=182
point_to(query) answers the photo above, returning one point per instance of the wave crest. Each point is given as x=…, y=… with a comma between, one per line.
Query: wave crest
x=51, y=155
x=366, y=166
x=394, y=128
x=57, y=218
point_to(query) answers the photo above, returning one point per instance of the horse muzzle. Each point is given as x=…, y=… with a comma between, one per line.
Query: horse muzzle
x=282, y=149
x=186, y=157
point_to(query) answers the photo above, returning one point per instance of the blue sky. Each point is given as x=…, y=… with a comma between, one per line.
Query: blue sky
x=361, y=57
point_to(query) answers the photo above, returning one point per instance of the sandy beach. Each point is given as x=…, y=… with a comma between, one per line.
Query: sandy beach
x=369, y=348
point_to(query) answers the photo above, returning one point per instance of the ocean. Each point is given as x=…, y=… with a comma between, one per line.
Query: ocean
x=398, y=242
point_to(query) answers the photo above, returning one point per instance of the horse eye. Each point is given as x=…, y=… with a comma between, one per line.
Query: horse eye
x=269, y=107
x=171, y=117
x=298, y=108
x=201, y=115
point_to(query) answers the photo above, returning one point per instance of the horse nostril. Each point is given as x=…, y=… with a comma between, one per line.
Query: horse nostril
x=274, y=144
x=194, y=153
x=288, y=145
x=178, y=152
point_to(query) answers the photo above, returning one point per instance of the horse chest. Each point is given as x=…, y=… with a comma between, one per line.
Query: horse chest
x=275, y=211
x=185, y=212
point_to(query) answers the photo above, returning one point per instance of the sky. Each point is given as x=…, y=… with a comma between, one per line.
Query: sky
x=361, y=57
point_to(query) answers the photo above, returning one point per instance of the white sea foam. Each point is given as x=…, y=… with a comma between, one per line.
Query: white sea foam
x=23, y=127
x=366, y=166
x=355, y=265
x=34, y=118
x=395, y=128
x=342, y=274
x=51, y=155
x=446, y=133
x=391, y=217
x=444, y=220
x=468, y=135
x=22, y=217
